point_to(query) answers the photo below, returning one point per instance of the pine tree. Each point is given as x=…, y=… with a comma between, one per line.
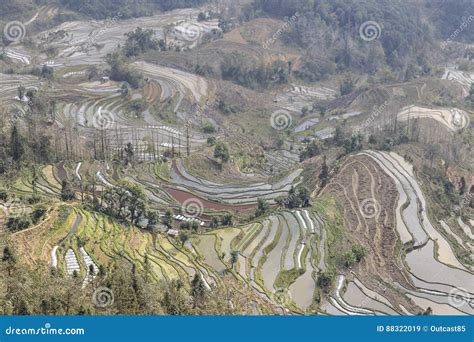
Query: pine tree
x=324, y=174
x=16, y=145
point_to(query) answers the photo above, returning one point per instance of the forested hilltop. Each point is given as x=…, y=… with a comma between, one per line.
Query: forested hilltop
x=329, y=33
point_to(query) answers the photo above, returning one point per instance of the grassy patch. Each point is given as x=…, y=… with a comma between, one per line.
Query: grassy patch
x=287, y=277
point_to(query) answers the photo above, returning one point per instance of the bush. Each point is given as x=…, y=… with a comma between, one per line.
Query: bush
x=37, y=214
x=208, y=128
x=211, y=141
x=325, y=280
x=17, y=223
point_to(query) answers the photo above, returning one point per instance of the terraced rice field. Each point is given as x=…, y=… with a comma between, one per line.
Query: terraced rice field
x=77, y=41
x=439, y=278
x=271, y=253
x=300, y=96
x=464, y=79
x=241, y=194
x=453, y=119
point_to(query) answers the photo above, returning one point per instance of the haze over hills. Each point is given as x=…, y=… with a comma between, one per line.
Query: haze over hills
x=222, y=157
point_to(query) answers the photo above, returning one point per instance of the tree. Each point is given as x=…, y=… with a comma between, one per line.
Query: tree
x=140, y=41
x=234, y=256
x=262, y=207
x=208, y=128
x=129, y=154
x=183, y=237
x=195, y=226
x=136, y=202
x=153, y=218
x=227, y=219
x=16, y=145
x=9, y=259
x=462, y=186
x=67, y=192
x=359, y=252
x=312, y=149
x=124, y=89
x=211, y=141
x=221, y=151
x=201, y=16
x=325, y=280
x=21, y=92
x=119, y=71
x=198, y=288
x=324, y=173
x=347, y=86
x=304, y=110
x=47, y=72
x=339, y=136
x=215, y=222
x=304, y=196
x=168, y=218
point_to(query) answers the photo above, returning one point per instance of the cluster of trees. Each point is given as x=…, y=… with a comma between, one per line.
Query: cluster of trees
x=221, y=151
x=16, y=149
x=121, y=72
x=126, y=201
x=313, y=148
x=354, y=255
x=298, y=197
x=30, y=292
x=262, y=207
x=244, y=71
x=328, y=30
x=24, y=221
x=448, y=16
x=225, y=220
x=140, y=41
x=345, y=138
